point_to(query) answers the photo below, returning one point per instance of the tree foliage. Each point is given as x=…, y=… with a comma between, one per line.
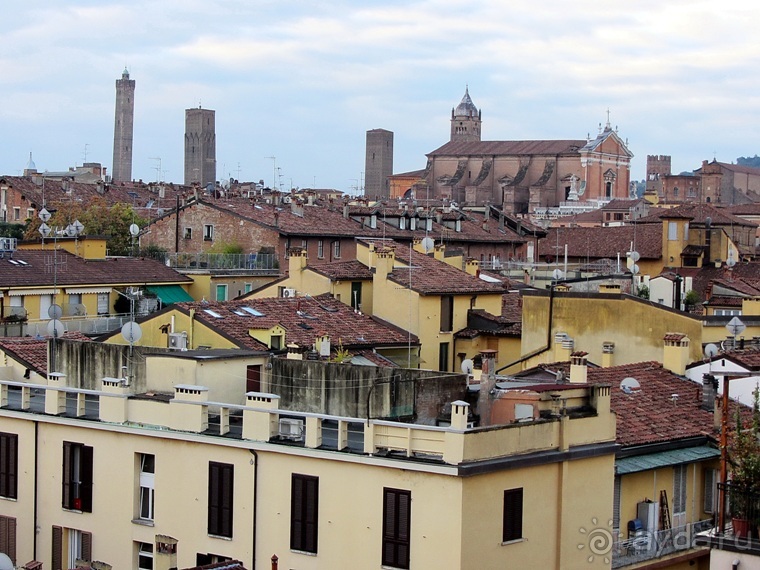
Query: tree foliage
x=11, y=230
x=98, y=219
x=751, y=161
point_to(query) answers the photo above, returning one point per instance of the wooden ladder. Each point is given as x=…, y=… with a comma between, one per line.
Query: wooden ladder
x=664, y=511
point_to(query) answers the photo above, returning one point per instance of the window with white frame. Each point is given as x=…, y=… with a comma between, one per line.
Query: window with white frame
x=672, y=231
x=144, y=556
x=147, y=487
x=221, y=292
x=321, y=249
x=208, y=232
x=336, y=249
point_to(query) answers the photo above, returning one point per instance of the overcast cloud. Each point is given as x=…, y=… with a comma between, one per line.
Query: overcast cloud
x=303, y=81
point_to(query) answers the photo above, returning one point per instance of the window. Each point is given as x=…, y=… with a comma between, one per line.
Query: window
x=679, y=489
x=77, y=477
x=208, y=232
x=78, y=546
x=144, y=556
x=304, y=512
x=321, y=249
x=220, y=485
x=336, y=249
x=616, y=504
x=45, y=302
x=447, y=313
x=8, y=466
x=102, y=303
x=221, y=292
x=672, y=231
x=711, y=494
x=513, y=515
x=16, y=213
x=356, y=295
x=443, y=356
x=188, y=233
x=147, y=491
x=208, y=558
x=30, y=213
x=397, y=515
x=8, y=537
x=675, y=191
x=253, y=378
x=727, y=312
x=247, y=287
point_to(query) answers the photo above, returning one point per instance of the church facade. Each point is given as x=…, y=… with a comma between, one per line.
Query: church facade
x=521, y=176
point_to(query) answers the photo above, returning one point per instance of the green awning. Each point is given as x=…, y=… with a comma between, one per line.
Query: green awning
x=169, y=293
x=664, y=459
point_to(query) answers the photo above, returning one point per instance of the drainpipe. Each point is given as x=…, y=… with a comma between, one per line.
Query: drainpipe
x=36, y=455
x=255, y=504
x=176, y=228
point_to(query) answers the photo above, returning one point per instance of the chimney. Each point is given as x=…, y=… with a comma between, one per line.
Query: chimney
x=609, y=288
x=345, y=211
x=676, y=353
x=297, y=260
x=294, y=352
x=384, y=259
x=322, y=345
x=563, y=347
x=709, y=390
x=578, y=367
x=487, y=383
x=296, y=207
x=439, y=252
x=472, y=266
x=608, y=351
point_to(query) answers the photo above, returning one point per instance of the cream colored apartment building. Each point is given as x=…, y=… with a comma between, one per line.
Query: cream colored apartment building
x=169, y=478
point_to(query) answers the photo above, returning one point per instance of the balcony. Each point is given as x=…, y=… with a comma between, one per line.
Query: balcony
x=740, y=531
x=653, y=545
x=249, y=262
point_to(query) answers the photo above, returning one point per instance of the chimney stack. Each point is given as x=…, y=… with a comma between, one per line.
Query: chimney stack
x=608, y=351
x=676, y=353
x=487, y=383
x=709, y=390
x=578, y=367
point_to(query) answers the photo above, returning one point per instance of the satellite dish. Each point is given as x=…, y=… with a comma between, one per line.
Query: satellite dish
x=44, y=215
x=78, y=226
x=131, y=332
x=56, y=328
x=634, y=269
x=735, y=326
x=710, y=350
x=5, y=562
x=428, y=244
x=467, y=366
x=55, y=311
x=630, y=385
x=134, y=229
x=634, y=255
x=44, y=229
x=557, y=274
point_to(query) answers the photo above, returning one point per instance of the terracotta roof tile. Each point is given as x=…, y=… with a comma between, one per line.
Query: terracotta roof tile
x=343, y=270
x=549, y=147
x=32, y=351
x=605, y=242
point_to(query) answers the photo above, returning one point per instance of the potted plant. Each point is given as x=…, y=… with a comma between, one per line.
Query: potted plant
x=744, y=462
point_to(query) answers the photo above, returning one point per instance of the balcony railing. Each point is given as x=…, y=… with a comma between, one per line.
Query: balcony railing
x=263, y=262
x=740, y=531
x=650, y=545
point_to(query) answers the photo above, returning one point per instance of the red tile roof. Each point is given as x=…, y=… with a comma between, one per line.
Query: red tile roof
x=490, y=148
x=303, y=318
x=606, y=242
x=44, y=267
x=343, y=271
x=32, y=351
x=428, y=276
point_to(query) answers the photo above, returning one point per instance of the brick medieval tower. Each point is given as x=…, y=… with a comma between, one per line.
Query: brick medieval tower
x=379, y=163
x=200, y=147
x=123, y=129
x=658, y=167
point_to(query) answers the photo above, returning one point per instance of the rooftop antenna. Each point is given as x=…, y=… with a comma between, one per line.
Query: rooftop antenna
x=85, y=152
x=274, y=170
x=157, y=168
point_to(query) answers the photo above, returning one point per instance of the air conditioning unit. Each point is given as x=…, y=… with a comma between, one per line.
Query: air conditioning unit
x=288, y=292
x=178, y=341
x=291, y=429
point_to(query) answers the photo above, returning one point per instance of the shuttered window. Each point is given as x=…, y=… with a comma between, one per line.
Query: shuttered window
x=711, y=478
x=512, y=527
x=679, y=489
x=220, y=486
x=616, y=503
x=57, y=554
x=304, y=509
x=8, y=465
x=397, y=514
x=8, y=537
x=447, y=313
x=77, y=477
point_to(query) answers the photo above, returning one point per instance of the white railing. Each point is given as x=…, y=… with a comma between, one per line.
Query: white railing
x=650, y=545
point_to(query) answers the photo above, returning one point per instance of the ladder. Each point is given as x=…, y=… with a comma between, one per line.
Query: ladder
x=664, y=511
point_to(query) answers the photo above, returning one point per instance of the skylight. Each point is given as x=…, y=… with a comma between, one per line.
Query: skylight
x=252, y=311
x=13, y=261
x=240, y=313
x=213, y=313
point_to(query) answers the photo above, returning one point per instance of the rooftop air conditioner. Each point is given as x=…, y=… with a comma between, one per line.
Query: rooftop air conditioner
x=178, y=341
x=291, y=429
x=288, y=292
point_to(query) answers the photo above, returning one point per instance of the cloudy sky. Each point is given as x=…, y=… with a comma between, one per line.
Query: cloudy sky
x=303, y=80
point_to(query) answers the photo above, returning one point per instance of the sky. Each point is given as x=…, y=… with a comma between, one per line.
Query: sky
x=303, y=80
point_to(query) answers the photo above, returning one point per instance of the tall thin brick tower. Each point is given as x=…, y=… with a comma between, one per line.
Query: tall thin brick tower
x=200, y=146
x=123, y=130
x=379, y=163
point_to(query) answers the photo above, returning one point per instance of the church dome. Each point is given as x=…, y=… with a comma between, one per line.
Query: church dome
x=30, y=165
x=466, y=107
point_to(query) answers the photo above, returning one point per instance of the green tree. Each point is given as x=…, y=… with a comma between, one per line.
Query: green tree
x=98, y=219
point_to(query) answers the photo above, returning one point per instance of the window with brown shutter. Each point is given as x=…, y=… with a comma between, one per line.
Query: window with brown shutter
x=513, y=515
x=57, y=554
x=220, y=487
x=447, y=313
x=397, y=515
x=8, y=537
x=8, y=465
x=87, y=546
x=77, y=477
x=304, y=512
